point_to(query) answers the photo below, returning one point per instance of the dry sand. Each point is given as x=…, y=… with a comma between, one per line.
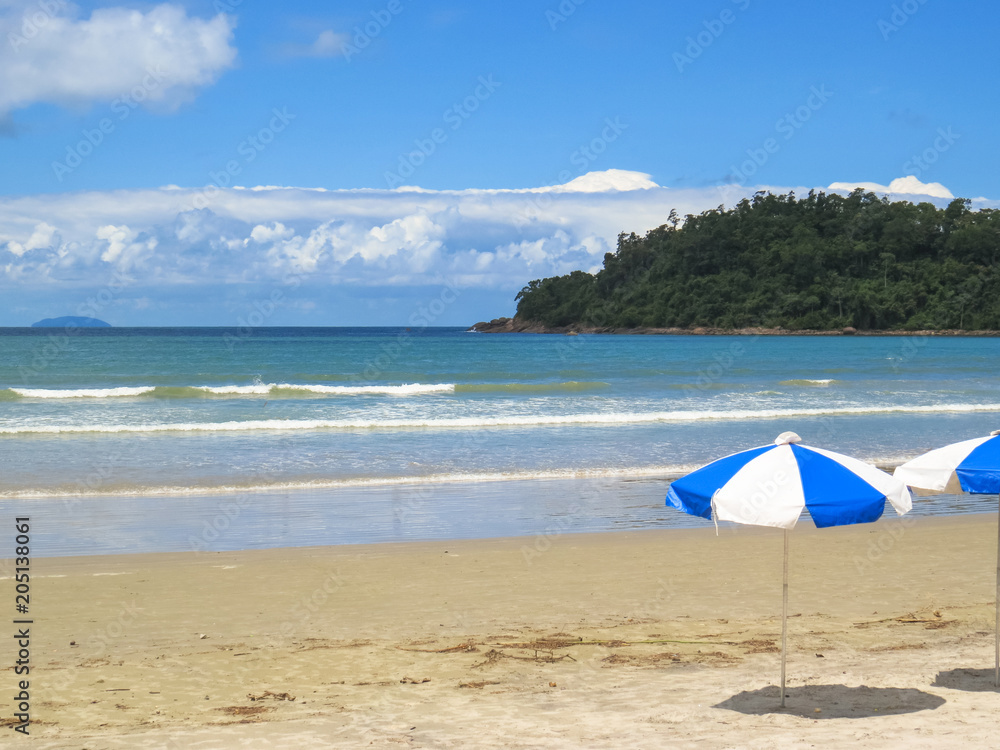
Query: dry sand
x=654, y=639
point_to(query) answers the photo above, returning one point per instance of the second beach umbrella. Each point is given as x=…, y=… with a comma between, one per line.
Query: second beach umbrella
x=771, y=485
x=971, y=466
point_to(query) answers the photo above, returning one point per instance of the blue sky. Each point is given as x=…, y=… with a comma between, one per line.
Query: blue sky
x=126, y=129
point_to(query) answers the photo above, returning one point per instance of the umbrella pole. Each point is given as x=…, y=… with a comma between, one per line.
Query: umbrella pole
x=784, y=615
x=996, y=663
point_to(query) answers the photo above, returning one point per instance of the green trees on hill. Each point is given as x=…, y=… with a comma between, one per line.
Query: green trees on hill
x=822, y=262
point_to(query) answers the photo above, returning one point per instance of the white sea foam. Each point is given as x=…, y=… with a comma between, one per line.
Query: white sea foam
x=666, y=472
x=235, y=390
x=600, y=418
x=662, y=472
x=82, y=392
x=268, y=388
x=257, y=389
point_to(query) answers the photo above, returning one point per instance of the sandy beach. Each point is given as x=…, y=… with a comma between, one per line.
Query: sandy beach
x=633, y=639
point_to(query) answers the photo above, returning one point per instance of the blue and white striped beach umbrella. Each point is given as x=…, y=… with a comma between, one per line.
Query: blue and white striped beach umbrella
x=973, y=467
x=771, y=485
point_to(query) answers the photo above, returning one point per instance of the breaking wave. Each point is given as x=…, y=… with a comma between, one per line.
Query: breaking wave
x=257, y=389
x=599, y=418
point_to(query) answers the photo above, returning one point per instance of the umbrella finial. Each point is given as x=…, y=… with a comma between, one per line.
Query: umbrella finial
x=787, y=438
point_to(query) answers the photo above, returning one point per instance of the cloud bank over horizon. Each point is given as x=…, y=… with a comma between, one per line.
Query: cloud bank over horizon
x=217, y=250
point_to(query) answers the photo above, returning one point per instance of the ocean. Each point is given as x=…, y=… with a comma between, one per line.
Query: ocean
x=166, y=439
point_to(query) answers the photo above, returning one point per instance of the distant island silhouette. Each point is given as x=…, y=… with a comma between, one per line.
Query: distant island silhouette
x=70, y=321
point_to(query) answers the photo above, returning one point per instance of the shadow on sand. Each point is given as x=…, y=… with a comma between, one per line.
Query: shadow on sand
x=973, y=680
x=833, y=701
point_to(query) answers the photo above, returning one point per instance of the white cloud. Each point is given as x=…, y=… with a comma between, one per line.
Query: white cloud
x=355, y=251
x=909, y=185
x=262, y=234
x=117, y=238
x=329, y=43
x=611, y=179
x=41, y=237
x=123, y=251
x=417, y=235
x=621, y=180
x=158, y=57
x=301, y=255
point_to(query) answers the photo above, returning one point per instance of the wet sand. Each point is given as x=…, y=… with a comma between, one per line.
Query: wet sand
x=632, y=639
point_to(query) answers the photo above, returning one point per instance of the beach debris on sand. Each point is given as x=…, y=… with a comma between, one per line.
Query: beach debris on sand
x=244, y=710
x=467, y=647
x=268, y=694
x=932, y=621
x=493, y=656
x=478, y=685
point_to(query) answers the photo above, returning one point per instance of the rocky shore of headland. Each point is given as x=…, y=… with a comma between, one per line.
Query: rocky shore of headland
x=515, y=325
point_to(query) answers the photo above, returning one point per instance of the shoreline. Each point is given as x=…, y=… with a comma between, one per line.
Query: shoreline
x=512, y=325
x=522, y=508
x=657, y=638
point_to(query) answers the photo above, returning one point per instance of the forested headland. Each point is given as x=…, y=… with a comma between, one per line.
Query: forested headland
x=824, y=262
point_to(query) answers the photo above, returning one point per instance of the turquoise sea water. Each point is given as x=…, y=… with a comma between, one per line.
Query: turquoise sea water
x=134, y=439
